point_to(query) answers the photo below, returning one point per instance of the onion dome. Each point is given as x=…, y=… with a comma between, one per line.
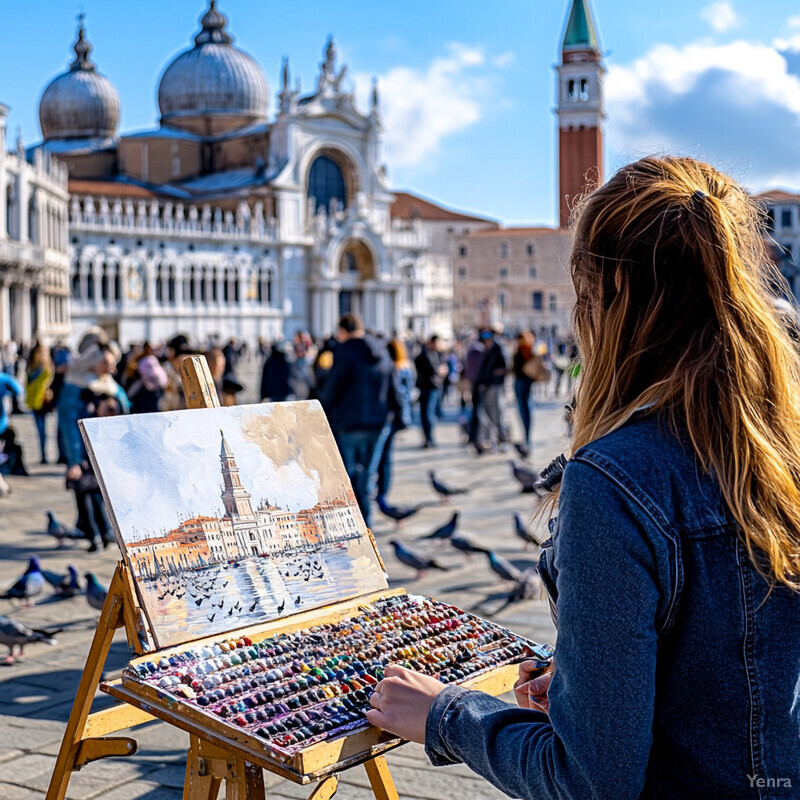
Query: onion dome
x=213, y=78
x=81, y=103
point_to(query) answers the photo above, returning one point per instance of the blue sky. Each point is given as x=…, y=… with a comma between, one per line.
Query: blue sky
x=466, y=86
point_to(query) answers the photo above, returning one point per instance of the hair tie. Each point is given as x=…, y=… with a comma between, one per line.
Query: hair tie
x=699, y=195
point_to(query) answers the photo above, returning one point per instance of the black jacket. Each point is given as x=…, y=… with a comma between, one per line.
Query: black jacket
x=360, y=392
x=427, y=363
x=494, y=366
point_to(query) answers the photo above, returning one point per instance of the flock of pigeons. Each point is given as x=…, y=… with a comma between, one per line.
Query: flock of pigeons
x=30, y=584
x=524, y=582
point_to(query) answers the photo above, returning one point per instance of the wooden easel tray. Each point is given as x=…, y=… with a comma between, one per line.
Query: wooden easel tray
x=314, y=760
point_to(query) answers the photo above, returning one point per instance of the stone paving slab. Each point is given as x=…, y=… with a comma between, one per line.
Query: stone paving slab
x=38, y=692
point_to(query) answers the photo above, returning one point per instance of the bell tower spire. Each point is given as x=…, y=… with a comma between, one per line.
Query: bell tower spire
x=579, y=109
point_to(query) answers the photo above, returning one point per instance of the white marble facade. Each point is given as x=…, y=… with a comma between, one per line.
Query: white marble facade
x=34, y=266
x=242, y=249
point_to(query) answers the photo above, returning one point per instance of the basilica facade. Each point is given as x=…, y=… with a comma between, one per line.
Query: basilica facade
x=223, y=222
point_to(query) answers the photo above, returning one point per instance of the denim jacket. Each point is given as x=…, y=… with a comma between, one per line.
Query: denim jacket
x=677, y=674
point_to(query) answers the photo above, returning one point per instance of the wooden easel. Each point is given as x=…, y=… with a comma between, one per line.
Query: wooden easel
x=211, y=758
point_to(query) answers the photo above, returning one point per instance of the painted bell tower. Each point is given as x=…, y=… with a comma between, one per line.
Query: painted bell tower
x=235, y=497
x=579, y=109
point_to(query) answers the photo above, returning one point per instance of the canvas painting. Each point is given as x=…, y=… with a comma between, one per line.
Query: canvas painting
x=232, y=516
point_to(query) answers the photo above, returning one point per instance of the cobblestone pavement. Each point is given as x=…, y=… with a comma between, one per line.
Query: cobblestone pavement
x=36, y=694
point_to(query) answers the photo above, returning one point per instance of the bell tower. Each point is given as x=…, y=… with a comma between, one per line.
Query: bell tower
x=579, y=109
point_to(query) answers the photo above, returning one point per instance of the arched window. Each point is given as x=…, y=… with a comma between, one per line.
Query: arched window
x=117, y=283
x=572, y=93
x=104, y=283
x=171, y=287
x=76, y=284
x=326, y=183
x=159, y=285
x=10, y=212
x=584, y=90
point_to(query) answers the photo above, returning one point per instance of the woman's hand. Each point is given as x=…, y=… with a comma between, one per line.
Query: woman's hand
x=401, y=701
x=532, y=692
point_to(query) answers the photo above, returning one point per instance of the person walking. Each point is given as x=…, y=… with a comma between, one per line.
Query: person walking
x=38, y=396
x=678, y=531
x=358, y=396
x=523, y=366
x=275, y=385
x=431, y=372
x=404, y=380
x=491, y=383
x=8, y=456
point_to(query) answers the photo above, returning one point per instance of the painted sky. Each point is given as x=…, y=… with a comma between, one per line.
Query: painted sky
x=160, y=469
x=467, y=87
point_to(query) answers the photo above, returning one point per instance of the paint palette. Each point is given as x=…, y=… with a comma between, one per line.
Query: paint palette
x=293, y=690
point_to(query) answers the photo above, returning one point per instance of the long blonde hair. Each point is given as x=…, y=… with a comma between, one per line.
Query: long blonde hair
x=674, y=310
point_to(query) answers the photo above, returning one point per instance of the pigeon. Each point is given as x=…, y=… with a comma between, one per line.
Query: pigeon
x=465, y=545
x=253, y=607
x=17, y=634
x=28, y=586
x=65, y=585
x=444, y=491
x=211, y=617
x=503, y=568
x=446, y=531
x=414, y=560
x=527, y=477
x=95, y=592
x=521, y=529
x=397, y=513
x=59, y=531
x=526, y=588
x=282, y=606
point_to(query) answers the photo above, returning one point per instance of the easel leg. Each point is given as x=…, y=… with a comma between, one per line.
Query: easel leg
x=208, y=764
x=110, y=620
x=199, y=783
x=381, y=779
x=325, y=789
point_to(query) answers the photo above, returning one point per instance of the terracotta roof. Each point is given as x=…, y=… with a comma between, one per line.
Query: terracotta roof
x=510, y=233
x=109, y=189
x=778, y=196
x=412, y=206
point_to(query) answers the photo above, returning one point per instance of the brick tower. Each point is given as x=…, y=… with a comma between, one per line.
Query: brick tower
x=579, y=109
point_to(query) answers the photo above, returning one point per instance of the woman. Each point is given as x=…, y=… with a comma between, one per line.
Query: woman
x=404, y=382
x=523, y=383
x=89, y=377
x=38, y=396
x=674, y=565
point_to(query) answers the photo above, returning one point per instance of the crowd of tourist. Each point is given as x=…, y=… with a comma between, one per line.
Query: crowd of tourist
x=370, y=386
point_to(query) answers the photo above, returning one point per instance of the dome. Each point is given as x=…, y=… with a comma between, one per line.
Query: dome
x=81, y=103
x=213, y=78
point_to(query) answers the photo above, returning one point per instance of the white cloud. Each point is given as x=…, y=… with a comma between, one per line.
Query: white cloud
x=737, y=105
x=793, y=22
x=421, y=108
x=721, y=16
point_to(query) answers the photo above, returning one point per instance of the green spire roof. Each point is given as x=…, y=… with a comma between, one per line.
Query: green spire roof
x=580, y=27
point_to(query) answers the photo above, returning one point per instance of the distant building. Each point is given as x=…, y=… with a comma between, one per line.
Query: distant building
x=579, y=109
x=428, y=301
x=520, y=277
x=222, y=221
x=34, y=264
x=783, y=231
x=516, y=276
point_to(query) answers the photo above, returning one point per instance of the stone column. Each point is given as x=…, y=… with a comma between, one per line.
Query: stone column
x=5, y=313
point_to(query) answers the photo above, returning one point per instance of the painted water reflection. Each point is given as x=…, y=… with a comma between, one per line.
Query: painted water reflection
x=221, y=598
